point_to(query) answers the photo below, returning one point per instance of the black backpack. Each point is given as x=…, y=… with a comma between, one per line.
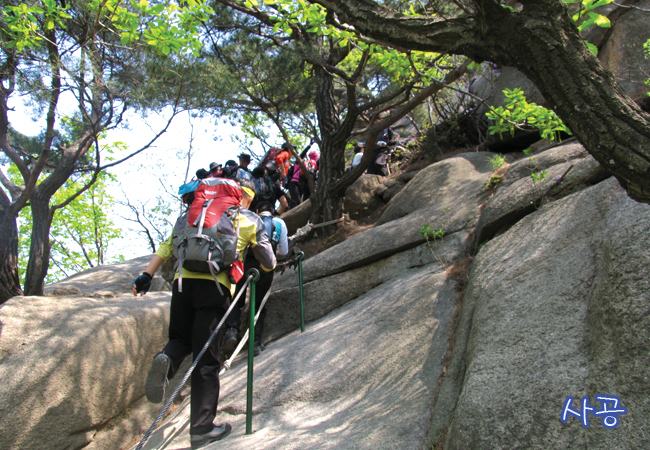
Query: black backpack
x=229, y=172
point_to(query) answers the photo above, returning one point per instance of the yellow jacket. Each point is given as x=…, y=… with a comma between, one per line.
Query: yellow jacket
x=251, y=232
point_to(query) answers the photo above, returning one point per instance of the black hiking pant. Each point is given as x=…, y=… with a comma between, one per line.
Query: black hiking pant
x=261, y=288
x=194, y=315
x=295, y=192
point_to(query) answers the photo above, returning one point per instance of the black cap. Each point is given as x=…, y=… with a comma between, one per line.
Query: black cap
x=230, y=162
x=245, y=157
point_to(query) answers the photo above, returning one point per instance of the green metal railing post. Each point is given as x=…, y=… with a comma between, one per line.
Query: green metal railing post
x=251, y=348
x=300, y=256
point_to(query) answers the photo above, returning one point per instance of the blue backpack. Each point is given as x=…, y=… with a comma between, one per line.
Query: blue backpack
x=273, y=230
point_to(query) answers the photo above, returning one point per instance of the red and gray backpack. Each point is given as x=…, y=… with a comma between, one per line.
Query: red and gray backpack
x=205, y=237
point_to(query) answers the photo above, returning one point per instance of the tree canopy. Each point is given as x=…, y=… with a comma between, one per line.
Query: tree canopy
x=542, y=40
x=103, y=58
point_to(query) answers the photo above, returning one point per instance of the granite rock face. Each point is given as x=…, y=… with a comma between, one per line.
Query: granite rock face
x=555, y=307
x=69, y=365
x=559, y=172
x=112, y=279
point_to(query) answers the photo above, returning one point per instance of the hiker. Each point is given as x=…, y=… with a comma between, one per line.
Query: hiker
x=243, y=172
x=229, y=170
x=277, y=231
x=380, y=159
x=215, y=170
x=314, y=158
x=198, y=305
x=268, y=189
x=276, y=162
x=358, y=154
x=388, y=136
x=282, y=160
x=297, y=183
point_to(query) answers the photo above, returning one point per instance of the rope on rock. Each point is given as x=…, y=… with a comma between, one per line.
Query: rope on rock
x=304, y=231
x=189, y=371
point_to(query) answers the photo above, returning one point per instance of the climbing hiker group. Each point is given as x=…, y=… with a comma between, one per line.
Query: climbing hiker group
x=278, y=178
x=226, y=229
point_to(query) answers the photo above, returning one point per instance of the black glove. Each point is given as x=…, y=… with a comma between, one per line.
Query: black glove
x=143, y=283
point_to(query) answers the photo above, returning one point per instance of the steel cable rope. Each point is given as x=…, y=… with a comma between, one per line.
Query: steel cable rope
x=189, y=371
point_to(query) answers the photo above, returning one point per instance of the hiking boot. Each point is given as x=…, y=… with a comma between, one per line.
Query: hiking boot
x=229, y=341
x=218, y=432
x=157, y=381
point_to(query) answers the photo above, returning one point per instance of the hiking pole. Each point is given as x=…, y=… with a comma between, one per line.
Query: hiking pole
x=244, y=339
x=299, y=257
x=191, y=369
x=255, y=275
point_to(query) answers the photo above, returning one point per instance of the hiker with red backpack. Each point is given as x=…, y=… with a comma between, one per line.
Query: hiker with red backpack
x=276, y=162
x=209, y=241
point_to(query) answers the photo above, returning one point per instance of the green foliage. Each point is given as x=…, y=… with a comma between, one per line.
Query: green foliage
x=586, y=17
x=497, y=161
x=518, y=114
x=80, y=234
x=22, y=22
x=493, y=181
x=429, y=233
x=539, y=177
x=165, y=26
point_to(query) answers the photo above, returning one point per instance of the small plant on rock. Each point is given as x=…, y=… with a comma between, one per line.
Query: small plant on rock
x=429, y=233
x=433, y=238
x=497, y=161
x=539, y=177
x=493, y=181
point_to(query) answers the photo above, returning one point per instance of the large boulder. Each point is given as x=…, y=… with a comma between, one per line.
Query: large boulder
x=70, y=365
x=107, y=280
x=543, y=160
x=451, y=184
x=445, y=195
x=324, y=295
x=514, y=201
x=359, y=194
x=557, y=306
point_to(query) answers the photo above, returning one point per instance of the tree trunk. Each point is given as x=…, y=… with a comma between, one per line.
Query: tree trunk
x=9, y=280
x=39, y=251
x=329, y=203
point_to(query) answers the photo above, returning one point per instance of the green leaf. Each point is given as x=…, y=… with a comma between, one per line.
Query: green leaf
x=601, y=20
x=592, y=47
